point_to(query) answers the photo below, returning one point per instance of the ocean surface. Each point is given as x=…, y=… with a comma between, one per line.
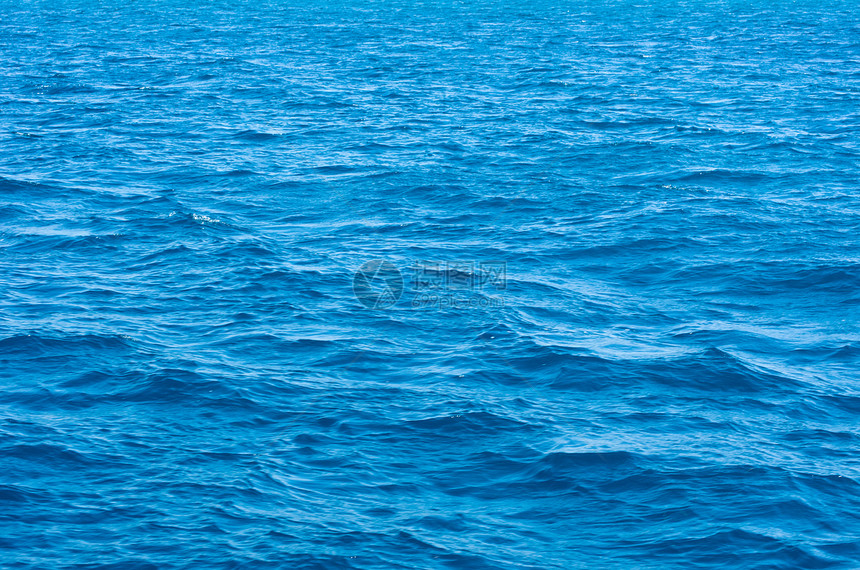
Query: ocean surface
x=434, y=284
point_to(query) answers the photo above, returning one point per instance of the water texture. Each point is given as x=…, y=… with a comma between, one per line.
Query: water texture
x=625, y=333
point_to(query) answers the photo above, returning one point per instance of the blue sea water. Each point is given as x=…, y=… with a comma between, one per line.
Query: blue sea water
x=429, y=284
